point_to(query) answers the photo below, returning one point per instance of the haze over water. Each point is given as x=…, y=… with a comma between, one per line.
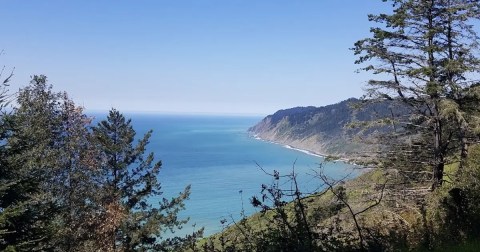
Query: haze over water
x=217, y=157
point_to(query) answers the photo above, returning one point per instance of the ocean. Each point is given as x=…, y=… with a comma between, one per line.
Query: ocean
x=219, y=159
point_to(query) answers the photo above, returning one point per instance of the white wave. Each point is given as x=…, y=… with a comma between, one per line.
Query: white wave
x=290, y=147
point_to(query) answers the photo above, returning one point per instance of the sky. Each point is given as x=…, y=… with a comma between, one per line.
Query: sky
x=198, y=56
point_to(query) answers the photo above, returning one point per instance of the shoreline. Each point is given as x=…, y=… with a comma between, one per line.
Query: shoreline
x=305, y=151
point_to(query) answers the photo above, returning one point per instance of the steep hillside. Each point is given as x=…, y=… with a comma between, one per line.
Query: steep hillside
x=322, y=130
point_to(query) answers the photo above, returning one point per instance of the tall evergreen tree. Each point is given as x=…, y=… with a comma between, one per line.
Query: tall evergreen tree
x=130, y=183
x=6, y=182
x=426, y=56
x=68, y=188
x=76, y=182
x=48, y=173
x=27, y=208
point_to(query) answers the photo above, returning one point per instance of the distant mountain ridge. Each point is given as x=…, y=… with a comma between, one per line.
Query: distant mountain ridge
x=321, y=130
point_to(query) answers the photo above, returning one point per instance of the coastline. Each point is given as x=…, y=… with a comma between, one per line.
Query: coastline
x=305, y=151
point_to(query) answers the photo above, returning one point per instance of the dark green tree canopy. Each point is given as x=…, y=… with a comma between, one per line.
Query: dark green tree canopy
x=130, y=183
x=68, y=186
x=426, y=55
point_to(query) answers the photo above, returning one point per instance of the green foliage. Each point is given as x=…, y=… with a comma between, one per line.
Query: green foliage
x=424, y=54
x=27, y=204
x=66, y=187
x=75, y=185
x=49, y=172
x=446, y=219
x=320, y=221
x=454, y=211
x=5, y=184
x=129, y=181
x=329, y=130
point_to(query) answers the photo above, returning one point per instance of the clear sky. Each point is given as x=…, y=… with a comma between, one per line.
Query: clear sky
x=196, y=56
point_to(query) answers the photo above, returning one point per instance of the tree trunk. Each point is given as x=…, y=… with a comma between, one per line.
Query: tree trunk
x=439, y=157
x=463, y=151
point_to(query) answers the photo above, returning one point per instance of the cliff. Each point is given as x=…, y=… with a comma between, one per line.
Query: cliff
x=322, y=130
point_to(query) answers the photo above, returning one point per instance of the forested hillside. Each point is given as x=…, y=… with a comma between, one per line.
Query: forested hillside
x=328, y=130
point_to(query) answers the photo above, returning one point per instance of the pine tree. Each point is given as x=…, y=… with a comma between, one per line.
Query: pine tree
x=27, y=209
x=48, y=172
x=75, y=184
x=424, y=54
x=7, y=183
x=69, y=188
x=130, y=220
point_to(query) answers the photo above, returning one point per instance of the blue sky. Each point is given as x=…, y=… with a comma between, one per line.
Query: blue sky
x=197, y=56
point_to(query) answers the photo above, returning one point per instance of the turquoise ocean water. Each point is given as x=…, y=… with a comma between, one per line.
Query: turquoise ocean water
x=217, y=157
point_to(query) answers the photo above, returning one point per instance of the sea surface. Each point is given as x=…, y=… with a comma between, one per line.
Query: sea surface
x=220, y=160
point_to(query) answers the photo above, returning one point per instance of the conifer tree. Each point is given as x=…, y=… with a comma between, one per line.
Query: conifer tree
x=48, y=173
x=7, y=210
x=68, y=188
x=425, y=55
x=27, y=206
x=76, y=184
x=131, y=219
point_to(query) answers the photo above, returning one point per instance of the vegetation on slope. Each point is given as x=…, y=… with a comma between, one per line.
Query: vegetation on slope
x=316, y=129
x=424, y=195
x=67, y=185
x=376, y=211
x=325, y=130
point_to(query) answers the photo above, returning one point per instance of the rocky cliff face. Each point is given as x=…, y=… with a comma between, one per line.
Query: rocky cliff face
x=322, y=130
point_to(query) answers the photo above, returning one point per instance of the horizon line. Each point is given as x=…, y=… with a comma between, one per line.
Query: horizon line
x=178, y=113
